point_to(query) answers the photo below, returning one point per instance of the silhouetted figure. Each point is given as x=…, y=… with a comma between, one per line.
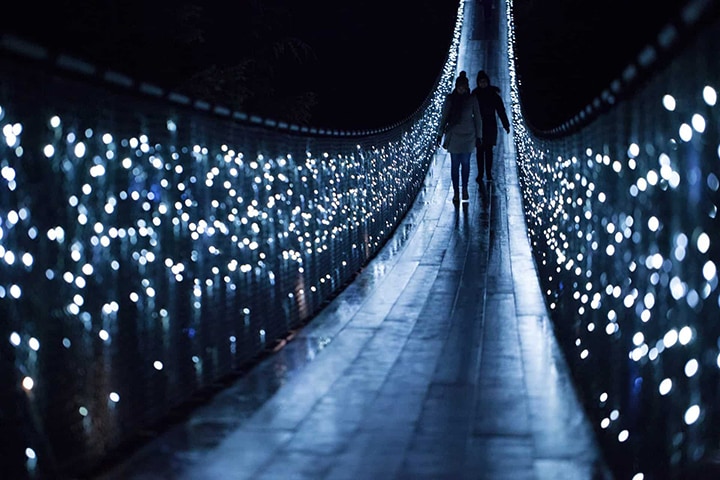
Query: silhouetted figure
x=491, y=107
x=461, y=125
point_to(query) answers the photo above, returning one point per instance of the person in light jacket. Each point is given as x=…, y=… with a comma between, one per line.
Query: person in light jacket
x=461, y=125
x=491, y=108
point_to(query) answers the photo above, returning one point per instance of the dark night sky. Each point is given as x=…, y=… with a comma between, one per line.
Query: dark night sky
x=369, y=62
x=570, y=50
x=377, y=59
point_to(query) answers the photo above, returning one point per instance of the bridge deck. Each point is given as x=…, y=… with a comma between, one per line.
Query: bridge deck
x=439, y=361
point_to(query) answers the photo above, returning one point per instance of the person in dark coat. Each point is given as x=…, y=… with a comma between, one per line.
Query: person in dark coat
x=491, y=108
x=461, y=125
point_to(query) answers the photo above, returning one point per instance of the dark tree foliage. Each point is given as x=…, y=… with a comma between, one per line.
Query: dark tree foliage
x=238, y=56
x=379, y=59
x=359, y=64
x=568, y=51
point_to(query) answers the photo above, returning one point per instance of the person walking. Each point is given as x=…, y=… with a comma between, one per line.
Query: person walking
x=460, y=125
x=491, y=108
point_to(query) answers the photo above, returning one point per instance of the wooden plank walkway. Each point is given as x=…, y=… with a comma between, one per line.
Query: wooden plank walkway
x=438, y=362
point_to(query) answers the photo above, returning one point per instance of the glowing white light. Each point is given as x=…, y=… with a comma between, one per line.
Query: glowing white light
x=638, y=339
x=78, y=300
x=49, y=151
x=15, y=339
x=685, y=132
x=670, y=338
x=55, y=121
x=665, y=386
x=30, y=453
x=158, y=365
x=709, y=270
x=710, y=95
x=15, y=291
x=698, y=123
x=28, y=383
x=97, y=171
x=685, y=335
x=669, y=102
x=623, y=436
x=80, y=150
x=10, y=139
x=692, y=414
x=638, y=476
x=636, y=354
x=667, y=172
x=633, y=150
x=677, y=288
x=104, y=335
x=649, y=300
x=8, y=174
x=652, y=177
x=691, y=367
x=27, y=259
x=114, y=397
x=13, y=217
x=703, y=243
x=9, y=257
x=628, y=301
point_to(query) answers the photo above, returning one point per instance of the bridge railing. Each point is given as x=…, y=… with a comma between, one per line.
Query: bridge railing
x=621, y=204
x=152, y=245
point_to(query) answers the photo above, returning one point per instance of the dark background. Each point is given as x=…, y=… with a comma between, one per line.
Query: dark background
x=336, y=63
x=570, y=50
x=346, y=64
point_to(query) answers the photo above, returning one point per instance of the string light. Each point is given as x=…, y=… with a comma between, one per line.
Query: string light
x=620, y=212
x=160, y=240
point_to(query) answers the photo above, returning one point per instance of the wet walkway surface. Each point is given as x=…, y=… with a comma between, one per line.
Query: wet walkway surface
x=438, y=362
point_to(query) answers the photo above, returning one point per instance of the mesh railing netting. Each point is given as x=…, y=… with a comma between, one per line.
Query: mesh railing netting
x=621, y=208
x=151, y=245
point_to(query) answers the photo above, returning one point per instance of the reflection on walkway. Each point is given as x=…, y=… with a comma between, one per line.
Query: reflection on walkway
x=438, y=361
